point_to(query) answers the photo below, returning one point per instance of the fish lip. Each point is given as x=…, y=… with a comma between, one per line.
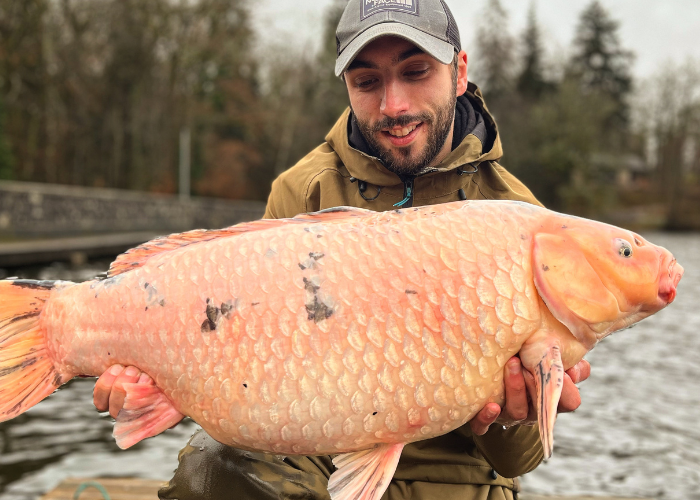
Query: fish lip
x=668, y=283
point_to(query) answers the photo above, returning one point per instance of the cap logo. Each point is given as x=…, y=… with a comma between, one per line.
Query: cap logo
x=371, y=7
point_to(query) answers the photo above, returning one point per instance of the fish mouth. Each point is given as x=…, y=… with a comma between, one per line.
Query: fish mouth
x=670, y=276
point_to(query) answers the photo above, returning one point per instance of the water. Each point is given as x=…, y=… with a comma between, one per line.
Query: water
x=635, y=434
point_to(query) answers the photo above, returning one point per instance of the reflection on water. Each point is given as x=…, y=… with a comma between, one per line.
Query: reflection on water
x=635, y=434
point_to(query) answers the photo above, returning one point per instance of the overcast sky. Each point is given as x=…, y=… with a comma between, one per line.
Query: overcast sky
x=656, y=30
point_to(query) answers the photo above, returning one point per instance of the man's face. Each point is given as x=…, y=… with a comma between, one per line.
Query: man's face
x=404, y=102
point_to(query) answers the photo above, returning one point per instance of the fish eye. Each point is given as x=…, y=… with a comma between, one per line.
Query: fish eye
x=624, y=248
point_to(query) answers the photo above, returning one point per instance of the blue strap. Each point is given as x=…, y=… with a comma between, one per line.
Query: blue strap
x=88, y=484
x=409, y=190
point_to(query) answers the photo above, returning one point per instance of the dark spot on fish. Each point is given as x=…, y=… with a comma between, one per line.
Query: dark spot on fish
x=302, y=266
x=245, y=385
x=415, y=209
x=145, y=285
x=564, y=226
x=316, y=255
x=374, y=413
x=146, y=308
x=254, y=303
x=226, y=308
x=522, y=237
x=95, y=295
x=310, y=287
x=162, y=302
x=398, y=211
x=134, y=263
x=545, y=267
x=208, y=326
x=319, y=236
x=307, y=229
x=109, y=354
x=213, y=313
x=411, y=292
x=318, y=311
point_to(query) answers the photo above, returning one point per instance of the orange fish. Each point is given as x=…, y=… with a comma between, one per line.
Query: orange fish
x=343, y=332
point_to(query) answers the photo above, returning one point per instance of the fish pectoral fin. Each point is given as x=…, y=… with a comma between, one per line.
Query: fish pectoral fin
x=366, y=474
x=146, y=413
x=549, y=380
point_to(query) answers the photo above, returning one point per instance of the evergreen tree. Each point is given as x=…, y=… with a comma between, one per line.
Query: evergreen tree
x=600, y=62
x=495, y=53
x=531, y=81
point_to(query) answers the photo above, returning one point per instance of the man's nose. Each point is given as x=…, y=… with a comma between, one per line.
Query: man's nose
x=394, y=101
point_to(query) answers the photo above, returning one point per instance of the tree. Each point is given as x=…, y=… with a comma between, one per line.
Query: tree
x=495, y=53
x=669, y=118
x=600, y=62
x=531, y=82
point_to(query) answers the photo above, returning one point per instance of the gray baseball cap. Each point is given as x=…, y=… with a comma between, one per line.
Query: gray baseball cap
x=427, y=23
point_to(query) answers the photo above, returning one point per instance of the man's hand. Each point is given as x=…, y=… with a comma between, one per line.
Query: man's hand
x=109, y=393
x=518, y=406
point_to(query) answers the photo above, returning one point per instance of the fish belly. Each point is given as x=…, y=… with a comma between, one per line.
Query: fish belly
x=319, y=338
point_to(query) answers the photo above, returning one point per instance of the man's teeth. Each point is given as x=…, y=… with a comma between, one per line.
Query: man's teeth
x=403, y=132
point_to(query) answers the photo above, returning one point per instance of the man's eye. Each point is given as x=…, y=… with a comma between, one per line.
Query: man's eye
x=416, y=73
x=366, y=83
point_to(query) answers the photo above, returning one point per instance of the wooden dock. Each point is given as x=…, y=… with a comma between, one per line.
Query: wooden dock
x=117, y=488
x=147, y=489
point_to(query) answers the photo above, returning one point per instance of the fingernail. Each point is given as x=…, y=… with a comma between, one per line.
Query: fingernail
x=490, y=413
x=116, y=370
x=514, y=367
x=132, y=371
x=144, y=378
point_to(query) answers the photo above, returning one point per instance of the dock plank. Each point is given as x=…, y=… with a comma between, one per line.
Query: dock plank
x=118, y=489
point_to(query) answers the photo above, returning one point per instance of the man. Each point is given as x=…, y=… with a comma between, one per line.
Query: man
x=417, y=133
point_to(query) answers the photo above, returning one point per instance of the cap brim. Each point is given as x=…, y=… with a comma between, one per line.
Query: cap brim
x=440, y=50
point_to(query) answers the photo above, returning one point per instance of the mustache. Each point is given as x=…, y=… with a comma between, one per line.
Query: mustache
x=401, y=121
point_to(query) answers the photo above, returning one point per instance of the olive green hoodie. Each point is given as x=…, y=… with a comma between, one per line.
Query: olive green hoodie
x=333, y=173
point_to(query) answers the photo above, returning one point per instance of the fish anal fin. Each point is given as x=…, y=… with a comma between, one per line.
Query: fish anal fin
x=146, y=413
x=365, y=474
x=549, y=380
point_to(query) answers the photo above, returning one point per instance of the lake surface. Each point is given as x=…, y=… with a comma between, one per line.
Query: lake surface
x=636, y=433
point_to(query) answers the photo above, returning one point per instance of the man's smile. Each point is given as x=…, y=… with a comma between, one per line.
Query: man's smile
x=402, y=136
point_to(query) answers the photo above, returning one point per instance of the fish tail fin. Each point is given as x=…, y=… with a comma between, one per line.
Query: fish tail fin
x=27, y=373
x=549, y=380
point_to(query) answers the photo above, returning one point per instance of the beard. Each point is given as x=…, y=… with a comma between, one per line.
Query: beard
x=404, y=160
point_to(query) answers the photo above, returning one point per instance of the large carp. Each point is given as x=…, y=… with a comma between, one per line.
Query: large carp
x=341, y=332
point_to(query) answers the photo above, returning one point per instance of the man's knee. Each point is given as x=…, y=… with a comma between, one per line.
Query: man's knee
x=209, y=470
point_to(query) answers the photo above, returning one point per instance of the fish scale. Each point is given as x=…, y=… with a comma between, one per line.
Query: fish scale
x=345, y=331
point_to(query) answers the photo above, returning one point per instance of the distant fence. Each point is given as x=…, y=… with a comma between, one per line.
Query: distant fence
x=31, y=210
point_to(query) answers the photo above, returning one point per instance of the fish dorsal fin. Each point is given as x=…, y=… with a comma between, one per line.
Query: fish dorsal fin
x=365, y=474
x=137, y=256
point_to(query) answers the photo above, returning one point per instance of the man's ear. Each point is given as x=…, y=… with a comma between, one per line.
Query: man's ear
x=461, y=72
